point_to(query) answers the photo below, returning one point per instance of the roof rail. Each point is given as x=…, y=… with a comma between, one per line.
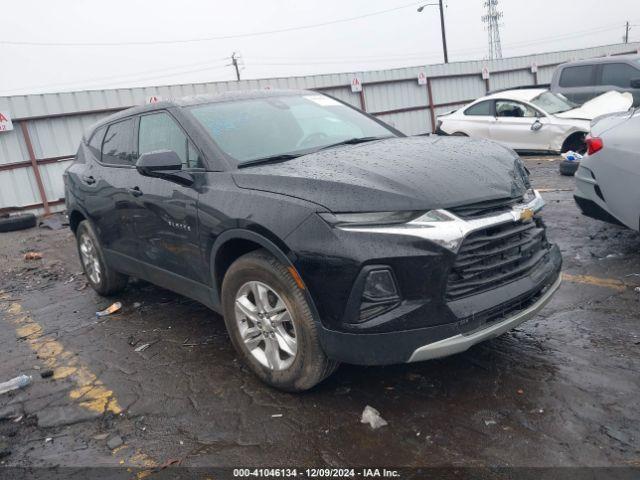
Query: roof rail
x=522, y=87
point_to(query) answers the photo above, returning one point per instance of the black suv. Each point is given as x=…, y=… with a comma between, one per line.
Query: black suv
x=321, y=234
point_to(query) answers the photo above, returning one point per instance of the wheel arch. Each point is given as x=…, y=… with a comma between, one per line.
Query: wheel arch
x=75, y=217
x=572, y=136
x=233, y=243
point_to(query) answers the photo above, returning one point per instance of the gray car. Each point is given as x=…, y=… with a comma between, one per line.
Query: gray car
x=585, y=79
x=608, y=177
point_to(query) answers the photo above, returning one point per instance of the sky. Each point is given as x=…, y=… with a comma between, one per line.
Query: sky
x=66, y=45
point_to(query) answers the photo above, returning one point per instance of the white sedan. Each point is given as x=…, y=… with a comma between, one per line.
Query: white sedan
x=531, y=119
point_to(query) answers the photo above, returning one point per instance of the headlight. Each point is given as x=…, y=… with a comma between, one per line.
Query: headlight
x=375, y=219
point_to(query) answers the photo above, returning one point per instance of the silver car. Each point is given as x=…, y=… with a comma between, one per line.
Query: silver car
x=608, y=179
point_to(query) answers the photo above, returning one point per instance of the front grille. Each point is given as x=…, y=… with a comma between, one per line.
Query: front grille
x=482, y=209
x=495, y=256
x=504, y=310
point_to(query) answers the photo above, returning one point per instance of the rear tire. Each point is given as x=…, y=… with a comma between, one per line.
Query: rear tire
x=568, y=168
x=102, y=278
x=249, y=323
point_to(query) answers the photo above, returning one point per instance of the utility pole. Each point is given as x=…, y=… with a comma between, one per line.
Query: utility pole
x=444, y=35
x=442, y=30
x=234, y=63
x=626, y=32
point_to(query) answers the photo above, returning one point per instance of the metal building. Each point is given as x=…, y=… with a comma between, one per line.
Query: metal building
x=48, y=127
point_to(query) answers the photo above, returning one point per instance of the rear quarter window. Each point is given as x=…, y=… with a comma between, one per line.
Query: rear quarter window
x=579, y=76
x=619, y=74
x=480, y=109
x=95, y=143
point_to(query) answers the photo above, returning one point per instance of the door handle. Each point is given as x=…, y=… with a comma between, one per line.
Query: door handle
x=135, y=191
x=88, y=179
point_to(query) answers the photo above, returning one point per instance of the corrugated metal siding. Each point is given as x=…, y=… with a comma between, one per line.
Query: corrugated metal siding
x=59, y=136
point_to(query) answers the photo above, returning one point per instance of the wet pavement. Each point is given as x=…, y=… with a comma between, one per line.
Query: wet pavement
x=561, y=390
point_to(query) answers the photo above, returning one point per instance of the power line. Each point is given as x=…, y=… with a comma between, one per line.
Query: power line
x=207, y=39
x=147, y=75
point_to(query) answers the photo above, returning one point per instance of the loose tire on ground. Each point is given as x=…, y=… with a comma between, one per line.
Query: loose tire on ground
x=108, y=282
x=17, y=222
x=568, y=168
x=310, y=365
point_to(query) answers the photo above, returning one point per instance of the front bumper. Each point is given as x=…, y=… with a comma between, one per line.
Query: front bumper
x=388, y=348
x=461, y=342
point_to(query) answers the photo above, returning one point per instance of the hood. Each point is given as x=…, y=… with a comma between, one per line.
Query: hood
x=601, y=105
x=411, y=173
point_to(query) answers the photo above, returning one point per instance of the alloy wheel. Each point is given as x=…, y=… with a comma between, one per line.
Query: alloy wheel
x=89, y=257
x=265, y=325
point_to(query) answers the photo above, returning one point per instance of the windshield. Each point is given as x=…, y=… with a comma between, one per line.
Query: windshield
x=553, y=103
x=249, y=130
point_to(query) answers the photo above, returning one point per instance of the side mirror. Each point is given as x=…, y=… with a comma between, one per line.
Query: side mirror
x=537, y=125
x=158, y=161
x=635, y=83
x=165, y=164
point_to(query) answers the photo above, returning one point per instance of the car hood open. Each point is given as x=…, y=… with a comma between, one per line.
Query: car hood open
x=413, y=173
x=601, y=105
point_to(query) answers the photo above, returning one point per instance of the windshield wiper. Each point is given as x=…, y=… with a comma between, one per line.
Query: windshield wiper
x=273, y=158
x=289, y=156
x=354, y=141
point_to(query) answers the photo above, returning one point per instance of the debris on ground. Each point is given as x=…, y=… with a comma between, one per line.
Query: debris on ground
x=490, y=422
x=114, y=442
x=20, y=381
x=55, y=222
x=520, y=391
x=372, y=416
x=276, y=415
x=46, y=373
x=33, y=256
x=572, y=156
x=113, y=308
x=142, y=347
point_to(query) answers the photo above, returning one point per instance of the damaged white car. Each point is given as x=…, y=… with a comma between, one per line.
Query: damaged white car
x=531, y=119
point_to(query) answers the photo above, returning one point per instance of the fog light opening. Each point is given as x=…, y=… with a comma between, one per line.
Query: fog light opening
x=380, y=294
x=380, y=285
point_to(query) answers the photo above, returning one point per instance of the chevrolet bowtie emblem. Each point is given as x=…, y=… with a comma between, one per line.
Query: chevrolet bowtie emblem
x=526, y=215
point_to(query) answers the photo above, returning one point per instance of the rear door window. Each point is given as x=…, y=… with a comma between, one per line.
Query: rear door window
x=159, y=131
x=619, y=74
x=580, y=76
x=117, y=148
x=481, y=109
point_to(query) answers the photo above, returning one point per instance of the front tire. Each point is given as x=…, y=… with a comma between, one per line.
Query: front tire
x=102, y=278
x=271, y=325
